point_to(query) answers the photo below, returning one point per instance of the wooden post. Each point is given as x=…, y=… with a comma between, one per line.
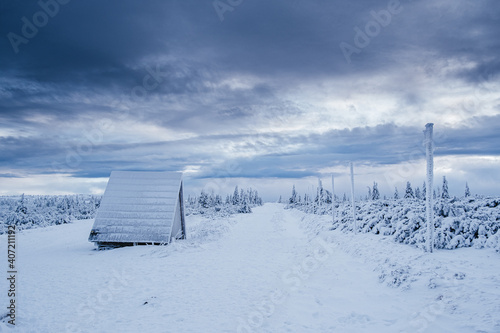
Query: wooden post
x=333, y=200
x=353, y=207
x=429, y=154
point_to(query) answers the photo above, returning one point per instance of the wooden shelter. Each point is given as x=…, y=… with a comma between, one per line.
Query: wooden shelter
x=140, y=208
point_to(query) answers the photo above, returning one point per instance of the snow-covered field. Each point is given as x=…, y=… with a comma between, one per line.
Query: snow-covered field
x=274, y=270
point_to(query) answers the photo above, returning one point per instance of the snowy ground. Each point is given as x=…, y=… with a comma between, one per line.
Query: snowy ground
x=274, y=270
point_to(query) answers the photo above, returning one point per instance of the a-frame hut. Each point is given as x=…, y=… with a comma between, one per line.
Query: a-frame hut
x=140, y=208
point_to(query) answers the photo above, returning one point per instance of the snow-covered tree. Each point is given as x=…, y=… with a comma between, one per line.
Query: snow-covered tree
x=418, y=195
x=424, y=191
x=213, y=203
x=445, y=194
x=203, y=200
x=396, y=193
x=236, y=197
x=243, y=197
x=218, y=200
x=21, y=207
x=467, y=190
x=369, y=192
x=320, y=195
x=293, y=198
x=375, y=192
x=245, y=208
x=409, y=191
x=20, y=216
x=33, y=211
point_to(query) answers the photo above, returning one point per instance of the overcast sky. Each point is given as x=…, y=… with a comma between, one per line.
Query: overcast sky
x=258, y=93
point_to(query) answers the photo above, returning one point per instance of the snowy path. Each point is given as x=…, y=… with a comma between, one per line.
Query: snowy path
x=65, y=285
x=269, y=271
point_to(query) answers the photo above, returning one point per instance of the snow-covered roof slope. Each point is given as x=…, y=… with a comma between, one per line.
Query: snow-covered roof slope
x=140, y=207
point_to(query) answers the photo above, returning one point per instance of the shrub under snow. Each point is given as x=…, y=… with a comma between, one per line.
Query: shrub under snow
x=30, y=211
x=458, y=223
x=240, y=202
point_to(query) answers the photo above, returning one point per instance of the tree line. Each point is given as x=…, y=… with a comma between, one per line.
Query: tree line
x=240, y=201
x=324, y=197
x=28, y=211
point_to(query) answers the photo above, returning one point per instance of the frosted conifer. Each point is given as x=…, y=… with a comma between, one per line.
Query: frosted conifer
x=409, y=191
x=445, y=194
x=375, y=192
x=467, y=190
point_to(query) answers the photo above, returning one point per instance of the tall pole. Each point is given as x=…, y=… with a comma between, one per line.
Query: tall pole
x=313, y=203
x=333, y=200
x=429, y=155
x=320, y=204
x=352, y=199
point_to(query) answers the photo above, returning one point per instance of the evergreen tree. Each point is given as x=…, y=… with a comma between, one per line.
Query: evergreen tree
x=328, y=197
x=245, y=208
x=424, y=191
x=445, y=194
x=242, y=197
x=409, y=191
x=279, y=200
x=396, y=193
x=375, y=192
x=319, y=193
x=236, y=198
x=467, y=190
x=21, y=206
x=203, y=200
x=293, y=198
x=418, y=195
x=369, y=193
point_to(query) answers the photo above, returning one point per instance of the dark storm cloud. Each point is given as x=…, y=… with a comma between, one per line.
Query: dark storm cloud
x=271, y=154
x=100, y=43
x=98, y=47
x=477, y=136
x=17, y=151
x=380, y=145
x=226, y=80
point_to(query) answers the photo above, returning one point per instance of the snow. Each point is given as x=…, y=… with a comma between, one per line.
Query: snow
x=464, y=222
x=429, y=208
x=274, y=270
x=353, y=203
x=133, y=199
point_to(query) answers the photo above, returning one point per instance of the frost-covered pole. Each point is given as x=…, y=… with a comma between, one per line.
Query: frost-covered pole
x=313, y=203
x=318, y=191
x=352, y=199
x=429, y=154
x=333, y=200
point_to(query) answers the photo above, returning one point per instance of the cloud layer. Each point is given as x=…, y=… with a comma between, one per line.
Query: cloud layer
x=167, y=85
